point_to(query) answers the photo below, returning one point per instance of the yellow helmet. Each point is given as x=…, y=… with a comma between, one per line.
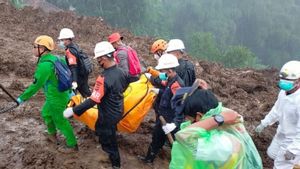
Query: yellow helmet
x=45, y=41
x=160, y=44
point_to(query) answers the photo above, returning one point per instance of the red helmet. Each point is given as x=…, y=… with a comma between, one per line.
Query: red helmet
x=114, y=37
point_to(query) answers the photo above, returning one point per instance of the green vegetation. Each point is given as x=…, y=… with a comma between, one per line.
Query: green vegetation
x=237, y=33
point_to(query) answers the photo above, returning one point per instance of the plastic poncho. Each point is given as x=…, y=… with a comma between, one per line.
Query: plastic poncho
x=226, y=147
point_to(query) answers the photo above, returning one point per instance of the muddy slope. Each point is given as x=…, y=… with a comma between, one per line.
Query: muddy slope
x=23, y=145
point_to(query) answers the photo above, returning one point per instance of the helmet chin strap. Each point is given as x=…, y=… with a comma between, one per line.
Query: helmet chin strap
x=39, y=53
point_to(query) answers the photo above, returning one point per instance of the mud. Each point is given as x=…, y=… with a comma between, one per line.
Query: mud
x=23, y=144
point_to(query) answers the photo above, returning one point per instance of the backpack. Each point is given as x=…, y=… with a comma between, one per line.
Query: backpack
x=133, y=60
x=178, y=101
x=86, y=66
x=63, y=74
x=84, y=62
x=185, y=73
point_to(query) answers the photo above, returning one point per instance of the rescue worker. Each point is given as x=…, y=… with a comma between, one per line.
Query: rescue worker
x=167, y=65
x=185, y=70
x=285, y=146
x=122, y=57
x=158, y=48
x=56, y=101
x=199, y=103
x=80, y=78
x=202, y=110
x=108, y=95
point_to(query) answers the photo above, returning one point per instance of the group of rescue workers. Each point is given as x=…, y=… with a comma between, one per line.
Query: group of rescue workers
x=172, y=73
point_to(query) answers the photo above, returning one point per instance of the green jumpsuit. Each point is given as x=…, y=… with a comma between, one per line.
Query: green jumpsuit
x=56, y=101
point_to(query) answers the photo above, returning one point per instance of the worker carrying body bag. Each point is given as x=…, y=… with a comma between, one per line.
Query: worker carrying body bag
x=137, y=103
x=226, y=147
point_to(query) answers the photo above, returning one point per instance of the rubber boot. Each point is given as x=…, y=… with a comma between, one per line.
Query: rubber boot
x=149, y=158
x=68, y=150
x=51, y=138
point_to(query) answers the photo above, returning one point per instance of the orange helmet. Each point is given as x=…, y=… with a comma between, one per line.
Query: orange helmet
x=160, y=44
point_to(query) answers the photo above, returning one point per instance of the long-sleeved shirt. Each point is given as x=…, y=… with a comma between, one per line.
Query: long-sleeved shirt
x=44, y=77
x=108, y=95
x=287, y=112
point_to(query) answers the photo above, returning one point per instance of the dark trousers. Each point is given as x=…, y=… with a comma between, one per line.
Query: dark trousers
x=158, y=138
x=83, y=86
x=108, y=141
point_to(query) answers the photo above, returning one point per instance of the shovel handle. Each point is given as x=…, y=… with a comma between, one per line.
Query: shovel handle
x=14, y=99
x=169, y=135
x=8, y=109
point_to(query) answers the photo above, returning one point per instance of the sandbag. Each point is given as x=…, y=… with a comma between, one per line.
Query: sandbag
x=197, y=148
x=137, y=103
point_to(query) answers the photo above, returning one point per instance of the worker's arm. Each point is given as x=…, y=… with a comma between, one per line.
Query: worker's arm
x=83, y=107
x=95, y=98
x=272, y=116
x=179, y=116
x=41, y=76
x=230, y=117
x=72, y=60
x=123, y=60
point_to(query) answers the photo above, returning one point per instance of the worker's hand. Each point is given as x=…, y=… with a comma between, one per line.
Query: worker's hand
x=231, y=117
x=289, y=155
x=259, y=128
x=149, y=68
x=20, y=101
x=148, y=75
x=153, y=72
x=74, y=85
x=203, y=84
x=169, y=127
x=154, y=90
x=68, y=112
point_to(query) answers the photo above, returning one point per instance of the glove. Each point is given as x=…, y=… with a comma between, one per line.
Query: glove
x=169, y=127
x=148, y=75
x=289, y=156
x=153, y=72
x=154, y=90
x=68, y=112
x=259, y=128
x=20, y=101
x=74, y=85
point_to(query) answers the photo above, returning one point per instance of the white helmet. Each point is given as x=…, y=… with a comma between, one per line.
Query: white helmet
x=167, y=61
x=66, y=33
x=102, y=49
x=175, y=44
x=290, y=70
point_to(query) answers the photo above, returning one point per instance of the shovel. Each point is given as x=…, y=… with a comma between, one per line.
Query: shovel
x=15, y=100
x=169, y=135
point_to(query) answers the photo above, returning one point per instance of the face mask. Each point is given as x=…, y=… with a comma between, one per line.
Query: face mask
x=163, y=76
x=156, y=57
x=61, y=45
x=286, y=85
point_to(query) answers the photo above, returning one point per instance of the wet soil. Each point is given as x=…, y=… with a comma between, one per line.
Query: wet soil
x=23, y=144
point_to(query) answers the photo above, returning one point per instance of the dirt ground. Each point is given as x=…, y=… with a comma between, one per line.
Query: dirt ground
x=23, y=144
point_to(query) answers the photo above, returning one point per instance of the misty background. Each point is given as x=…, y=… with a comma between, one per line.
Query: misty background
x=237, y=33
